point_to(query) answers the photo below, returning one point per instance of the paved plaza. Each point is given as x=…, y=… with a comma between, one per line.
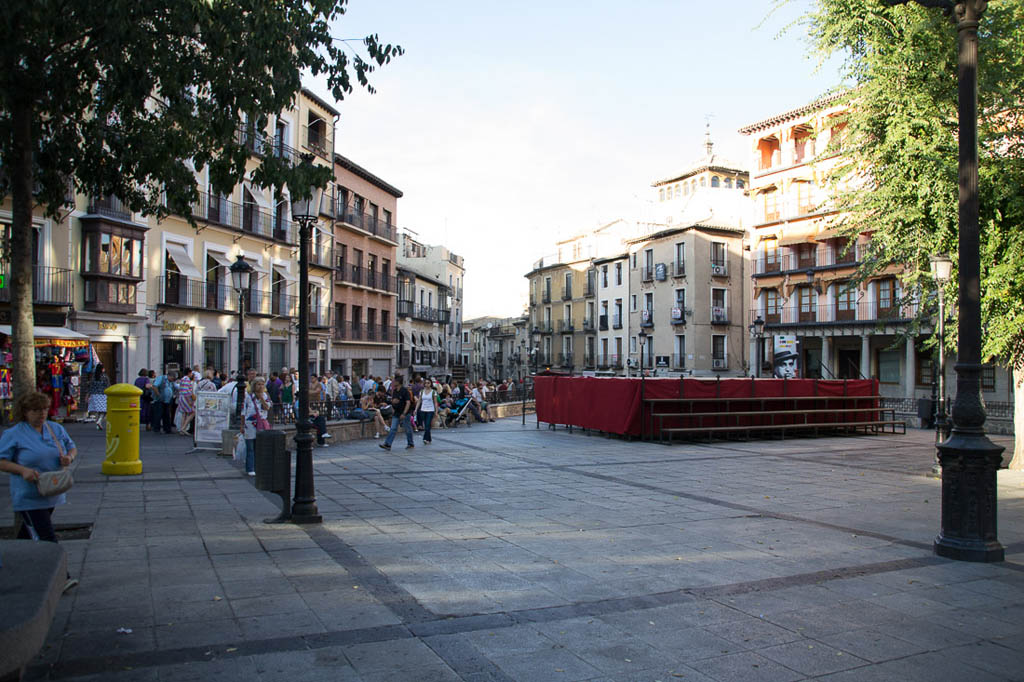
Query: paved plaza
x=503, y=552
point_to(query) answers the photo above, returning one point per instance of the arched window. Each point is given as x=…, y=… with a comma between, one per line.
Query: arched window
x=714, y=181
x=703, y=182
x=678, y=194
x=728, y=183
x=740, y=184
x=686, y=188
x=693, y=185
x=661, y=194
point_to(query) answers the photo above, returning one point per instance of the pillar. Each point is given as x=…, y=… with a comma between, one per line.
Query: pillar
x=910, y=373
x=865, y=356
x=826, y=358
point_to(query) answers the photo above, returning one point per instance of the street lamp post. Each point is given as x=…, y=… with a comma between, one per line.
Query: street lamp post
x=522, y=379
x=756, y=329
x=241, y=278
x=941, y=266
x=969, y=459
x=535, y=352
x=643, y=373
x=306, y=212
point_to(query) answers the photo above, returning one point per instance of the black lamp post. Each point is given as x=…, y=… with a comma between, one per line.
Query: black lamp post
x=941, y=267
x=522, y=379
x=241, y=278
x=306, y=212
x=756, y=329
x=643, y=421
x=535, y=352
x=969, y=459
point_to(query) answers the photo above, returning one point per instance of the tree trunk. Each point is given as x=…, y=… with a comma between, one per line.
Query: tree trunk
x=1018, y=418
x=22, y=336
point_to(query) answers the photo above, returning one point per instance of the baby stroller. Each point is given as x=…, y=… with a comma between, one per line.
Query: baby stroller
x=459, y=412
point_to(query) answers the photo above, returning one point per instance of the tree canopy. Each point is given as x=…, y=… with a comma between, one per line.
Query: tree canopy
x=899, y=65
x=131, y=97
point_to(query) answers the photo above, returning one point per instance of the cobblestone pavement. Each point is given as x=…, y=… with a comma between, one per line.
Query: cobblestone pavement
x=503, y=552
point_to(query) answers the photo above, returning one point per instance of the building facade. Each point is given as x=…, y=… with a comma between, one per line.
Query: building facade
x=365, y=272
x=803, y=270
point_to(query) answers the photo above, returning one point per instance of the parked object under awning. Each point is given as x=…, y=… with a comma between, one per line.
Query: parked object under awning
x=53, y=336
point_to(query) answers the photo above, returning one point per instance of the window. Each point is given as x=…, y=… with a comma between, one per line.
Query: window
x=718, y=349
x=679, y=356
x=632, y=344
x=988, y=378
x=889, y=366
x=740, y=184
x=846, y=301
x=661, y=194
x=771, y=206
x=728, y=183
x=715, y=181
x=649, y=301
x=926, y=369
x=604, y=276
x=771, y=255
x=886, y=294
x=772, y=307
x=681, y=299
x=703, y=182
x=718, y=253
x=633, y=263
x=632, y=302
x=112, y=254
x=213, y=355
x=718, y=298
x=618, y=274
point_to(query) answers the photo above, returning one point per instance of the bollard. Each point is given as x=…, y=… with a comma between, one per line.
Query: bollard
x=123, y=402
x=274, y=469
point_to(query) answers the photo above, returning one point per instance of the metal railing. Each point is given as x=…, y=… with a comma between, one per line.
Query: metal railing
x=647, y=273
x=678, y=361
x=602, y=323
x=109, y=206
x=588, y=324
x=248, y=218
x=50, y=286
x=428, y=314
x=678, y=269
x=182, y=292
x=794, y=261
x=719, y=315
x=544, y=327
x=835, y=313
x=565, y=359
x=616, y=321
x=262, y=144
x=366, y=222
x=316, y=140
x=567, y=293
x=566, y=326
x=545, y=297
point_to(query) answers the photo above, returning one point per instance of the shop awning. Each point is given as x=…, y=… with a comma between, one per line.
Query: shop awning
x=185, y=265
x=221, y=258
x=53, y=336
x=793, y=237
x=830, y=233
x=255, y=259
x=283, y=270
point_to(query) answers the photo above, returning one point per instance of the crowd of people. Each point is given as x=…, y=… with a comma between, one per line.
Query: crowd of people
x=169, y=399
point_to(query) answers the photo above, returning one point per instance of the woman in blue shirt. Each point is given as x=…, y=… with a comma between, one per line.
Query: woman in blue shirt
x=28, y=449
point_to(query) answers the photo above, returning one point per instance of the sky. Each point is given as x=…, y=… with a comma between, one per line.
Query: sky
x=510, y=125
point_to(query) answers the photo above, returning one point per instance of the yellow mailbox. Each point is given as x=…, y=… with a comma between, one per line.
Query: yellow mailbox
x=123, y=404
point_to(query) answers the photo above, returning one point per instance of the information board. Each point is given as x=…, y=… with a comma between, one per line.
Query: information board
x=213, y=415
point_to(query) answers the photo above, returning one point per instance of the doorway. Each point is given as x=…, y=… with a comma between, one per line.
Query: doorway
x=109, y=354
x=174, y=353
x=849, y=363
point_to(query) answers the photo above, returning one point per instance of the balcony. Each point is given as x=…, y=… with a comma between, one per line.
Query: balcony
x=719, y=315
x=590, y=289
x=248, y=218
x=405, y=308
x=677, y=315
x=533, y=301
x=367, y=222
x=109, y=206
x=566, y=326
x=316, y=140
x=181, y=292
x=819, y=259
x=647, y=317
x=50, y=286
x=320, y=257
x=318, y=317
x=261, y=144
x=679, y=269
x=544, y=327
x=604, y=361
x=359, y=331
x=567, y=294
x=588, y=324
x=616, y=362
x=853, y=313
x=602, y=323
x=617, y=321
x=428, y=314
x=647, y=273
x=588, y=360
x=678, y=361
x=565, y=359
x=545, y=297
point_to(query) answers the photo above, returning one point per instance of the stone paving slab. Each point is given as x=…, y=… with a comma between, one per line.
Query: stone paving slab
x=508, y=553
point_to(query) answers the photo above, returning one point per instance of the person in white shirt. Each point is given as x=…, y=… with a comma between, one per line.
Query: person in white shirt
x=479, y=393
x=426, y=406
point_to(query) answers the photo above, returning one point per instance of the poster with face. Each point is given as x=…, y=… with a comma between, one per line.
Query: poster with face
x=785, y=360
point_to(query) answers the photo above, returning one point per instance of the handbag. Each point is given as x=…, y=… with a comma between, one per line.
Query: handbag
x=55, y=482
x=239, y=450
x=387, y=411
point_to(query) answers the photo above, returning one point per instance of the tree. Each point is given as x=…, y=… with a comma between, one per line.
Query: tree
x=898, y=179
x=127, y=97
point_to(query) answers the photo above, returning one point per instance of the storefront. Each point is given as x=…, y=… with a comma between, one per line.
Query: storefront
x=61, y=354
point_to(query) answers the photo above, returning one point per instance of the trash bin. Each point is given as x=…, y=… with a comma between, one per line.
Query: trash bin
x=926, y=412
x=274, y=469
x=123, y=403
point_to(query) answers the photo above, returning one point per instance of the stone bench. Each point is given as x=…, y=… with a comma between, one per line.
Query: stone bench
x=31, y=582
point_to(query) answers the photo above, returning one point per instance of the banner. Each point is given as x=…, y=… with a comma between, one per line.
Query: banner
x=213, y=415
x=786, y=358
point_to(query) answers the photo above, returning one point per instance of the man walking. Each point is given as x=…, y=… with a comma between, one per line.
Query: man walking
x=401, y=401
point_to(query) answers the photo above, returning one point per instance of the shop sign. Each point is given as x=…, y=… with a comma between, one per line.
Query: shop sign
x=169, y=326
x=108, y=326
x=279, y=332
x=62, y=343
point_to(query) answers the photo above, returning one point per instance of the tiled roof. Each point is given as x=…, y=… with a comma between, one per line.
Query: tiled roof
x=820, y=103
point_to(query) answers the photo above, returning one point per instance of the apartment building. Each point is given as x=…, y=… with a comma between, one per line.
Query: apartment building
x=612, y=279
x=365, y=271
x=498, y=347
x=442, y=272
x=423, y=315
x=191, y=307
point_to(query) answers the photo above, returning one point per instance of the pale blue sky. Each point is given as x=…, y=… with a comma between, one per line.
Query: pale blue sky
x=507, y=125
